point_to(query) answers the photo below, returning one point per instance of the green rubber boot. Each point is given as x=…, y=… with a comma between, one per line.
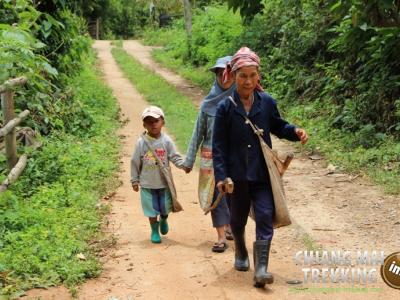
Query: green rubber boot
x=164, y=228
x=155, y=234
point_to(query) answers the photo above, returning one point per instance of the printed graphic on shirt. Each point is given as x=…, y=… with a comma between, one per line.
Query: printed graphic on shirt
x=149, y=161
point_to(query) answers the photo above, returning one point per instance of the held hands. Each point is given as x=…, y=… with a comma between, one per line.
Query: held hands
x=187, y=170
x=135, y=186
x=302, y=134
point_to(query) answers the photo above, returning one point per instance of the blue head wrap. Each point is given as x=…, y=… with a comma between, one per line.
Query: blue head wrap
x=217, y=93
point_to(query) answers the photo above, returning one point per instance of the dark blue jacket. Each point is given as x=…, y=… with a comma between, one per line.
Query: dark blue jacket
x=236, y=149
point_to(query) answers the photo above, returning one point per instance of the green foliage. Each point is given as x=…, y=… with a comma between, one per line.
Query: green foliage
x=381, y=162
x=248, y=8
x=50, y=214
x=17, y=56
x=32, y=46
x=164, y=36
x=368, y=46
x=66, y=39
x=212, y=35
x=315, y=51
x=124, y=18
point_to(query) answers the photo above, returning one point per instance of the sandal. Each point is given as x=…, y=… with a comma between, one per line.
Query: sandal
x=219, y=247
x=228, y=235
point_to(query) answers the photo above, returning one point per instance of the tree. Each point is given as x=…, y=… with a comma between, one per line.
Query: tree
x=188, y=23
x=248, y=8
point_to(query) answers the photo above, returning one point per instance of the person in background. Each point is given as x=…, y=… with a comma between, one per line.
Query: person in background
x=201, y=138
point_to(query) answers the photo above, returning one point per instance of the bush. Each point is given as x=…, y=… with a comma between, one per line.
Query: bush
x=32, y=46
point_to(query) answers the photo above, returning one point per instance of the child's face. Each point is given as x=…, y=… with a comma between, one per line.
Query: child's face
x=153, y=125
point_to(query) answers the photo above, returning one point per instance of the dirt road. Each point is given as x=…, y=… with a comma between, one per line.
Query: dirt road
x=330, y=210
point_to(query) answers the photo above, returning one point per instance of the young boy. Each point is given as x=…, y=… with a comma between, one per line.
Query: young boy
x=145, y=172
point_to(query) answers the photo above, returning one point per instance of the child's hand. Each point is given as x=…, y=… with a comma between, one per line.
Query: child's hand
x=135, y=186
x=187, y=170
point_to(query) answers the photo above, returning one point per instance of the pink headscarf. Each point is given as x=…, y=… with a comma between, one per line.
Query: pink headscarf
x=243, y=58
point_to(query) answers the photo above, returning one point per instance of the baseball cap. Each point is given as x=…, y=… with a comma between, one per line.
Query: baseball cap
x=152, y=111
x=221, y=63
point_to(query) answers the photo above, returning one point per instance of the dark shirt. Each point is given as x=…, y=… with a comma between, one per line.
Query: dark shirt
x=236, y=149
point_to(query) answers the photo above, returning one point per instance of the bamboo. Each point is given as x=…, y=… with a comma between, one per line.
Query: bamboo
x=14, y=173
x=13, y=123
x=12, y=82
x=7, y=105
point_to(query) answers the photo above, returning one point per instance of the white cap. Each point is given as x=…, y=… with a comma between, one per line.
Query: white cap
x=152, y=111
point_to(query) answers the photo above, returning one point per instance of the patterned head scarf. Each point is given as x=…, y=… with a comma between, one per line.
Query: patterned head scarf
x=243, y=58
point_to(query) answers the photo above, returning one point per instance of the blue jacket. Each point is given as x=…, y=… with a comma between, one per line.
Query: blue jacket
x=236, y=149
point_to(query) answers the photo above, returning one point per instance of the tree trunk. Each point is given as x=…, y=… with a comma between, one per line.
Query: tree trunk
x=188, y=24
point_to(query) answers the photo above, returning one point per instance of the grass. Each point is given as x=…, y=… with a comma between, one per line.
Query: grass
x=310, y=244
x=117, y=43
x=51, y=214
x=199, y=76
x=380, y=163
x=180, y=113
x=158, y=36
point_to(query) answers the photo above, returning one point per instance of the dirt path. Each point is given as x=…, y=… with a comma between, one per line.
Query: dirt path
x=336, y=210
x=143, y=54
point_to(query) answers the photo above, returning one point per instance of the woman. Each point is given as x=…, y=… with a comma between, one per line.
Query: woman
x=202, y=137
x=237, y=154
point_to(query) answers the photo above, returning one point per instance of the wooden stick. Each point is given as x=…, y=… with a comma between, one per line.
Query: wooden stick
x=7, y=104
x=12, y=82
x=14, y=173
x=215, y=204
x=282, y=166
x=14, y=122
x=228, y=186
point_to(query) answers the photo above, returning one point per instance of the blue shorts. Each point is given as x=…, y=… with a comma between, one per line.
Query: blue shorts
x=156, y=202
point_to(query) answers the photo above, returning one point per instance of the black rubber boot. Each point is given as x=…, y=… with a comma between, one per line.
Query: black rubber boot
x=241, y=256
x=261, y=255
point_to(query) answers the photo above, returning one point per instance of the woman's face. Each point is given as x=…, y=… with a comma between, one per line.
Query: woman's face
x=225, y=85
x=246, y=80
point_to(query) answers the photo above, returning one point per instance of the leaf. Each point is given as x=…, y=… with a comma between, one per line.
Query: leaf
x=49, y=69
x=81, y=256
x=46, y=25
x=336, y=5
x=364, y=27
x=19, y=36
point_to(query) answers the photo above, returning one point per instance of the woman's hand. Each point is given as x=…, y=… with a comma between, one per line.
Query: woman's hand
x=221, y=187
x=302, y=135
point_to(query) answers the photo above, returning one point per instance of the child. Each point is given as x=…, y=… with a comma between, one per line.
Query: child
x=154, y=193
